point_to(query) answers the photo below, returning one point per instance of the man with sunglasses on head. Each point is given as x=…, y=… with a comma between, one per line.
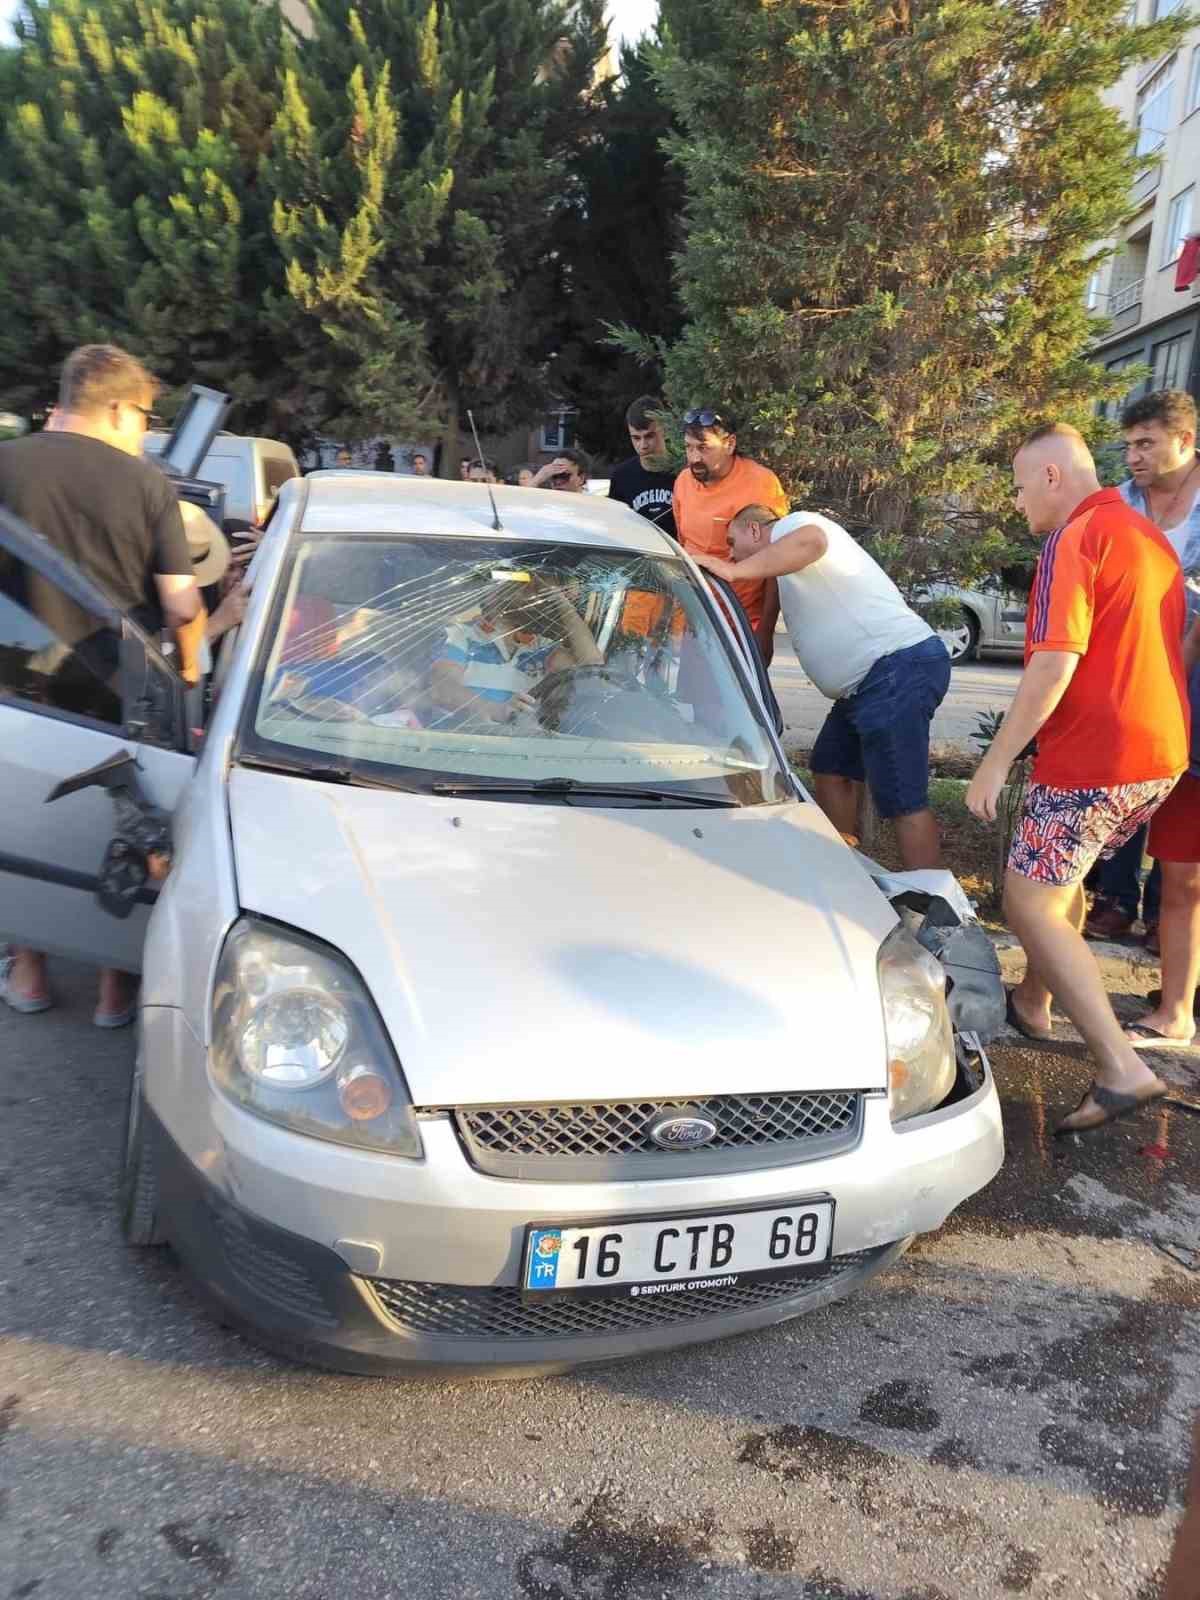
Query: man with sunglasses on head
x=83, y=484
x=710, y=491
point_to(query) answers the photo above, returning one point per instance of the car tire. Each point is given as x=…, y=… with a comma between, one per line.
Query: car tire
x=961, y=638
x=137, y=1192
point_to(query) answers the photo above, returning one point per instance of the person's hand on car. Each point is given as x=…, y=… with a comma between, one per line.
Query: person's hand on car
x=716, y=565
x=228, y=614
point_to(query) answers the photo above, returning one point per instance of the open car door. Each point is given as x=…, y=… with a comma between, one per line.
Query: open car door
x=81, y=688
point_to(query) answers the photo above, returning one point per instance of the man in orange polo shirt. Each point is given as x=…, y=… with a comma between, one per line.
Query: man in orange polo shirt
x=710, y=491
x=1104, y=694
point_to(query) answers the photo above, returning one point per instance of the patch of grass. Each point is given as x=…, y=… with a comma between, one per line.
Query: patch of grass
x=968, y=846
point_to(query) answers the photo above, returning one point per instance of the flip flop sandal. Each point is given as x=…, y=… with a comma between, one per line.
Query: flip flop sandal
x=1113, y=1103
x=1143, y=1037
x=1017, y=1021
x=26, y=1004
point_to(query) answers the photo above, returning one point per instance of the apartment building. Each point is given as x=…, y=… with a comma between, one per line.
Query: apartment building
x=1150, y=321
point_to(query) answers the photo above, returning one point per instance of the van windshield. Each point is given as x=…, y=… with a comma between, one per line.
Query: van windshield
x=439, y=661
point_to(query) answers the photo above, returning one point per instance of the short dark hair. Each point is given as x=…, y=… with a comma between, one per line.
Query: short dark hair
x=485, y=462
x=1174, y=408
x=514, y=477
x=643, y=412
x=580, y=457
x=98, y=375
x=419, y=455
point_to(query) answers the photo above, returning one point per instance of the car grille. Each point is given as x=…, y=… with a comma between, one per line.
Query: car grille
x=610, y=1138
x=446, y=1311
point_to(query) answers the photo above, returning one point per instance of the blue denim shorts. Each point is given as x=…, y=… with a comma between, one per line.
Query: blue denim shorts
x=880, y=734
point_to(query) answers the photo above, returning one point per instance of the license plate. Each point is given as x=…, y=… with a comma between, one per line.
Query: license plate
x=656, y=1256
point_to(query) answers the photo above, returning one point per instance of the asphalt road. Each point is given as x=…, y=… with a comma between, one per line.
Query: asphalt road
x=1003, y=1414
x=974, y=689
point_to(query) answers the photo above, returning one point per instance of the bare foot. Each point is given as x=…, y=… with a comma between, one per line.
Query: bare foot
x=118, y=991
x=27, y=975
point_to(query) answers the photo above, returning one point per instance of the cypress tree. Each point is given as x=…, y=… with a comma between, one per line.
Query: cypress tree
x=420, y=156
x=891, y=206
x=614, y=244
x=131, y=133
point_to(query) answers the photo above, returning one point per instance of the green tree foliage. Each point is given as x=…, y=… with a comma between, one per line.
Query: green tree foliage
x=421, y=150
x=131, y=133
x=614, y=245
x=890, y=209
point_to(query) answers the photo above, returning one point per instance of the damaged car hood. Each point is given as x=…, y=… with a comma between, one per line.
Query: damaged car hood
x=531, y=952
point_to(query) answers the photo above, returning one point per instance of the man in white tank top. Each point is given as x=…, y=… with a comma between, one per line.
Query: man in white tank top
x=882, y=665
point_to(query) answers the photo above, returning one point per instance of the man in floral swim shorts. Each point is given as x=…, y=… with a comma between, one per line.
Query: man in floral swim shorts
x=1105, y=696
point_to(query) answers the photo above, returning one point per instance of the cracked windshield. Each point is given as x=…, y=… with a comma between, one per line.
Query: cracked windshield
x=431, y=660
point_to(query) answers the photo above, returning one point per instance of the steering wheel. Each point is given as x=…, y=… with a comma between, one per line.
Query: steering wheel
x=618, y=678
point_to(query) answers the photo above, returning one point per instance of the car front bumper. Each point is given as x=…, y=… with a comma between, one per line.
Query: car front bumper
x=373, y=1263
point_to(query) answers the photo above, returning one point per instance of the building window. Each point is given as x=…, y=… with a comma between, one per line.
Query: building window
x=1154, y=110
x=1171, y=362
x=1179, y=225
x=557, y=432
x=1192, y=103
x=1164, y=8
x=1091, y=296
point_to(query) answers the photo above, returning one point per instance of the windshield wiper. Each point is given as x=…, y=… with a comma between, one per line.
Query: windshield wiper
x=569, y=787
x=329, y=773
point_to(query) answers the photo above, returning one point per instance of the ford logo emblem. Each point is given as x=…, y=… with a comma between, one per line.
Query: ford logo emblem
x=682, y=1131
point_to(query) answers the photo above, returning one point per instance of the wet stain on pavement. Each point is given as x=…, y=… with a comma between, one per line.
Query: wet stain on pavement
x=1139, y=1481
x=608, y=1555
x=799, y=1454
x=8, y=1413
x=1038, y=1085
x=191, y=1547
x=1119, y=1367
x=900, y=1404
x=22, y=1590
x=106, y=1541
x=954, y=1453
x=769, y=1550
x=1021, y=1568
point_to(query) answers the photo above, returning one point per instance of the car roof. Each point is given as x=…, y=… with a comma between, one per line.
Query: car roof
x=345, y=501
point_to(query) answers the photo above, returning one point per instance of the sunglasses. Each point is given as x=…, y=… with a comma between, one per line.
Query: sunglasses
x=153, y=420
x=707, y=417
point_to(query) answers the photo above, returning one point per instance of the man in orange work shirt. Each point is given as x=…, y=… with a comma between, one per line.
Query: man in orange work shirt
x=710, y=491
x=1104, y=694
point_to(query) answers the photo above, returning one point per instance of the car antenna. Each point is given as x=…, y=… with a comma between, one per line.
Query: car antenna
x=496, y=524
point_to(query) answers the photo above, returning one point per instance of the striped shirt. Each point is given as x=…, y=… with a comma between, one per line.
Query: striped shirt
x=496, y=664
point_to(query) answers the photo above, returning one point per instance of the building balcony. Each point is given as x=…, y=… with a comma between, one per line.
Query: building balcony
x=1144, y=185
x=1126, y=299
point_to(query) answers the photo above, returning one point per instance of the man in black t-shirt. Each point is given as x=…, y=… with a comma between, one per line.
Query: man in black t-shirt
x=83, y=485
x=645, y=481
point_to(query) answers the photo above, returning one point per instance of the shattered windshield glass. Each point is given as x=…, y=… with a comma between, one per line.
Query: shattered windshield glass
x=433, y=659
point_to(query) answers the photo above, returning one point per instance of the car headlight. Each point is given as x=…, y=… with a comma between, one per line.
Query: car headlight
x=296, y=1040
x=920, y=1040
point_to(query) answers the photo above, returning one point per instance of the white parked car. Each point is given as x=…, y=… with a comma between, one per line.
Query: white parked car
x=509, y=1005
x=252, y=471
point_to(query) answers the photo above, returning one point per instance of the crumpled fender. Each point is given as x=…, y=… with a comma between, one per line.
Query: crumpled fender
x=943, y=920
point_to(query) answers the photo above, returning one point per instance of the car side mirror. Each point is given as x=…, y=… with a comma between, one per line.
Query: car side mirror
x=154, y=698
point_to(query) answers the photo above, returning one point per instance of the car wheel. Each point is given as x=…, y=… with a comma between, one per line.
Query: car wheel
x=961, y=637
x=137, y=1194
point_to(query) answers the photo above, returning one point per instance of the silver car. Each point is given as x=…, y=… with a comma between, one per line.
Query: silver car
x=509, y=1004
x=988, y=620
